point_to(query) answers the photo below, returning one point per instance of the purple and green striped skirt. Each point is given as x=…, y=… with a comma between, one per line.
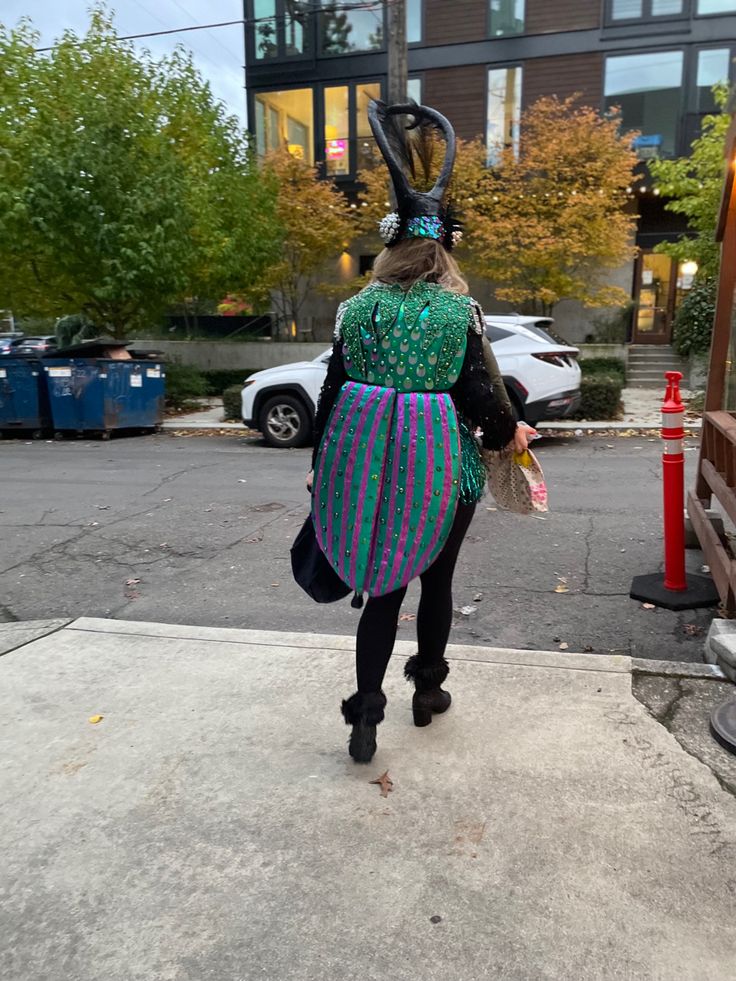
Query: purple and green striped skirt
x=386, y=484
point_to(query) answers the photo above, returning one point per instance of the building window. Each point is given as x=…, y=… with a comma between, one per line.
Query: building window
x=625, y=10
x=713, y=67
x=346, y=28
x=504, y=111
x=413, y=21
x=285, y=119
x=280, y=28
x=647, y=88
x=507, y=17
x=716, y=7
x=364, y=93
x=337, y=131
x=414, y=90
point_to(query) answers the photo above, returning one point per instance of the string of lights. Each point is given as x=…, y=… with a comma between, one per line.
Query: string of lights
x=309, y=11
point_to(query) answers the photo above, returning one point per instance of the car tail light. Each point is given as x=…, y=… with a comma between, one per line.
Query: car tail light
x=558, y=359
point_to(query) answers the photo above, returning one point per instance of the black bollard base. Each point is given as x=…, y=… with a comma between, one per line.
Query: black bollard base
x=723, y=724
x=701, y=591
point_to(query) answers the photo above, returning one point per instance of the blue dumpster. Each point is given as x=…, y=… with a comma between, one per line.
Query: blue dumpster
x=24, y=403
x=100, y=395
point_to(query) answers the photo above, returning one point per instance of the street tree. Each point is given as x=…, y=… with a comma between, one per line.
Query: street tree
x=124, y=186
x=547, y=221
x=693, y=187
x=317, y=224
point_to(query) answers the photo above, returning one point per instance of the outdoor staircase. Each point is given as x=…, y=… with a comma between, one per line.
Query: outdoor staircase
x=648, y=363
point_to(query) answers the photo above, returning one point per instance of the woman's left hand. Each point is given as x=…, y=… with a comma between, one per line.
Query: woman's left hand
x=310, y=480
x=522, y=437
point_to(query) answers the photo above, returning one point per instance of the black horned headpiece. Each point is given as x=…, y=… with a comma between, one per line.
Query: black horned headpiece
x=406, y=148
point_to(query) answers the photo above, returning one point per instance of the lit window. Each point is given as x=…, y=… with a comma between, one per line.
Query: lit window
x=345, y=29
x=507, y=17
x=504, y=111
x=365, y=143
x=713, y=67
x=337, y=131
x=285, y=119
x=716, y=6
x=647, y=88
x=413, y=21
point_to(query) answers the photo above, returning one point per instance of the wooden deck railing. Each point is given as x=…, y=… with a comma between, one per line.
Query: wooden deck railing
x=716, y=478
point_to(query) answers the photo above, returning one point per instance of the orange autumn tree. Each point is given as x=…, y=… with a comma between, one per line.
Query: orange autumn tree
x=317, y=224
x=547, y=223
x=550, y=223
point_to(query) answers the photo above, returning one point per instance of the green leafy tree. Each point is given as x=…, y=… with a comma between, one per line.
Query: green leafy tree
x=123, y=184
x=693, y=186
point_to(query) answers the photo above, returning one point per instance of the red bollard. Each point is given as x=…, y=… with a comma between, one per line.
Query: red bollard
x=673, y=484
x=676, y=590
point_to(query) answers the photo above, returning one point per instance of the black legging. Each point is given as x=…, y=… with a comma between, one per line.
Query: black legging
x=380, y=619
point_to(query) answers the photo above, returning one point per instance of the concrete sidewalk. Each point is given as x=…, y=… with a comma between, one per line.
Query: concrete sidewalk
x=212, y=826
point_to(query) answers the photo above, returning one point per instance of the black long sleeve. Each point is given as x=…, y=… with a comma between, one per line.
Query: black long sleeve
x=334, y=380
x=478, y=402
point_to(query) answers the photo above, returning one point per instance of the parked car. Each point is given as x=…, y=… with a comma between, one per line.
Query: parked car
x=8, y=342
x=43, y=344
x=540, y=371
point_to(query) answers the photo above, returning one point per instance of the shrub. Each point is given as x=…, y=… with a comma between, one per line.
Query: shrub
x=609, y=367
x=601, y=398
x=183, y=384
x=231, y=400
x=218, y=381
x=694, y=320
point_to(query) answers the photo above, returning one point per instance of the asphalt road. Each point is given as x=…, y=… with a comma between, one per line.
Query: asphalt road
x=196, y=530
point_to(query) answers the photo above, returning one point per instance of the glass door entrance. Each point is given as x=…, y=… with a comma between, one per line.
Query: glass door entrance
x=655, y=299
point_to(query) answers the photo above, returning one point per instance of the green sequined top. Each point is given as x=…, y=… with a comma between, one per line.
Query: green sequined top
x=408, y=340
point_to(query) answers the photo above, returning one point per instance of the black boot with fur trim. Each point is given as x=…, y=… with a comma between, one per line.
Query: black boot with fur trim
x=363, y=711
x=429, y=697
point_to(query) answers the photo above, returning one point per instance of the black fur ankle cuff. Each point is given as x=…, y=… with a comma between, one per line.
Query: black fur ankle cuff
x=364, y=708
x=426, y=676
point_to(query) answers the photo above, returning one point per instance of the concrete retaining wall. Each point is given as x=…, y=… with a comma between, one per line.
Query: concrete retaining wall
x=255, y=355
x=233, y=355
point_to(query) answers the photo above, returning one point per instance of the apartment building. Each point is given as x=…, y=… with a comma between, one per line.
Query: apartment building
x=313, y=66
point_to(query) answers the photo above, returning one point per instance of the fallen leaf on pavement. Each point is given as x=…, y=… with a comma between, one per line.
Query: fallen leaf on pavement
x=407, y=616
x=561, y=588
x=648, y=606
x=385, y=782
x=275, y=584
x=564, y=647
x=94, y=719
x=132, y=582
x=587, y=649
x=466, y=611
x=478, y=597
x=692, y=629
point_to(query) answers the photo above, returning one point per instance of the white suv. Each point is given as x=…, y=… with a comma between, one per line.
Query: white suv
x=540, y=370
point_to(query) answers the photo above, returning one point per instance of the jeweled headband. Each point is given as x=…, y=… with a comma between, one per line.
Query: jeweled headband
x=419, y=214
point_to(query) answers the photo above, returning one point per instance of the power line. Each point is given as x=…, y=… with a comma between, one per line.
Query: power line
x=369, y=5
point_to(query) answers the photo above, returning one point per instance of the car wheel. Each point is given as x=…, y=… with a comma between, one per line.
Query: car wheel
x=516, y=407
x=284, y=422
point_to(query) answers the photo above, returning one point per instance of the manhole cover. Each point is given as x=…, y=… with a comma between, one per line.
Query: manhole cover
x=723, y=724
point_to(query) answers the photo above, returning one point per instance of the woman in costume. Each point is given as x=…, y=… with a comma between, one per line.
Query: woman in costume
x=397, y=471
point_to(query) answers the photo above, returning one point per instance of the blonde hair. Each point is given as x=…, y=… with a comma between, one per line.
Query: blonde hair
x=415, y=259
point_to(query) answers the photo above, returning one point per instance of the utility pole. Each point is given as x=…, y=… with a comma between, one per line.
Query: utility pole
x=398, y=67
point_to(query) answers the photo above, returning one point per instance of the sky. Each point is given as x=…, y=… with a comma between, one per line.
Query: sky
x=218, y=53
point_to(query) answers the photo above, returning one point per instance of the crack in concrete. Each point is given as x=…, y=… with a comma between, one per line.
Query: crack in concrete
x=666, y=717
x=177, y=474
